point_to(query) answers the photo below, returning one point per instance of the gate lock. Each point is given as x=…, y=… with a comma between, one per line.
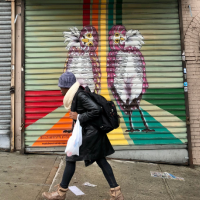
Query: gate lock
x=21, y=127
x=188, y=120
x=12, y=90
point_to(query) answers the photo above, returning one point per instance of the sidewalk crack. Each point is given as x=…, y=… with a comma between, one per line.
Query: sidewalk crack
x=169, y=191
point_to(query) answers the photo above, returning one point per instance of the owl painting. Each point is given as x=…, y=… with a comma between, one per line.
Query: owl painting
x=126, y=71
x=82, y=59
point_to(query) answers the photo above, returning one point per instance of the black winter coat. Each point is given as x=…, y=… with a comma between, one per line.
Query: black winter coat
x=95, y=144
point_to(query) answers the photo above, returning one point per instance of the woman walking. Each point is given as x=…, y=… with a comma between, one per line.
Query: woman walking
x=95, y=145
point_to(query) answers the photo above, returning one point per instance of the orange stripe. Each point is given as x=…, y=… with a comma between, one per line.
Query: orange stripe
x=95, y=13
x=55, y=136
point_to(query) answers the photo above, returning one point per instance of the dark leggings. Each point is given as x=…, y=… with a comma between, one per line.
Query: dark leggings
x=103, y=164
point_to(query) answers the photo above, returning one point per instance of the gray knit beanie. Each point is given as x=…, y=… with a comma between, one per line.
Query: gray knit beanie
x=66, y=80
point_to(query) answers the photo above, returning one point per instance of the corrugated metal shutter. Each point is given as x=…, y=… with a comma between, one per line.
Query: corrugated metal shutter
x=162, y=104
x=5, y=73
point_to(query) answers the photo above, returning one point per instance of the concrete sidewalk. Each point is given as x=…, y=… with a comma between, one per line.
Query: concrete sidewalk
x=25, y=177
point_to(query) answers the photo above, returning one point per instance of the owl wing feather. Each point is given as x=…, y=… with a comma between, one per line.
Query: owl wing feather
x=70, y=57
x=111, y=73
x=96, y=70
x=145, y=85
x=134, y=50
x=135, y=35
x=111, y=67
x=72, y=38
x=111, y=61
x=136, y=102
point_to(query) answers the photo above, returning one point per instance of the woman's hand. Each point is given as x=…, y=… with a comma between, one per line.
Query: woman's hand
x=67, y=131
x=73, y=115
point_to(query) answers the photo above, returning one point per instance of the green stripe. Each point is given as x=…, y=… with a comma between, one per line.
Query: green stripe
x=119, y=12
x=162, y=105
x=110, y=14
x=156, y=126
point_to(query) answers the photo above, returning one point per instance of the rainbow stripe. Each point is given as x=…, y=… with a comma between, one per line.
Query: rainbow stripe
x=103, y=20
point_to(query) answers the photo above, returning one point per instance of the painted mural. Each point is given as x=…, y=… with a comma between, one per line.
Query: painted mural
x=126, y=51
x=82, y=59
x=126, y=71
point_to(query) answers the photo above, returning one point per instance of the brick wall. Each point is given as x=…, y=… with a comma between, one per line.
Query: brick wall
x=191, y=26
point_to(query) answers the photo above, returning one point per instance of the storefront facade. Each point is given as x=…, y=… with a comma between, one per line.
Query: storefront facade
x=153, y=28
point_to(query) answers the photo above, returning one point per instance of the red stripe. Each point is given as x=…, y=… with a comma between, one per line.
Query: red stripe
x=95, y=15
x=38, y=104
x=86, y=12
x=44, y=99
x=43, y=93
x=44, y=111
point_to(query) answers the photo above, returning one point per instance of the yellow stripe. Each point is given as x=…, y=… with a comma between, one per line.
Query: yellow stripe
x=103, y=24
x=118, y=139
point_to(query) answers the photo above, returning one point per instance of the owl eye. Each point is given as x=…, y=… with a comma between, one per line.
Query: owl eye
x=90, y=44
x=117, y=41
x=89, y=35
x=116, y=34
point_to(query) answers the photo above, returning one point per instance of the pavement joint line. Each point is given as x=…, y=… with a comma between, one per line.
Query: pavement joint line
x=18, y=183
x=131, y=162
x=59, y=168
x=122, y=161
x=169, y=191
x=53, y=171
x=2, y=154
x=47, y=177
x=23, y=166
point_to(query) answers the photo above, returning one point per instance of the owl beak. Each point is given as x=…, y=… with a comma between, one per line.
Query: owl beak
x=122, y=38
x=85, y=40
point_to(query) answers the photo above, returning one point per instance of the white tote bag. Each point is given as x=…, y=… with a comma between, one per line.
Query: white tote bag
x=75, y=141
